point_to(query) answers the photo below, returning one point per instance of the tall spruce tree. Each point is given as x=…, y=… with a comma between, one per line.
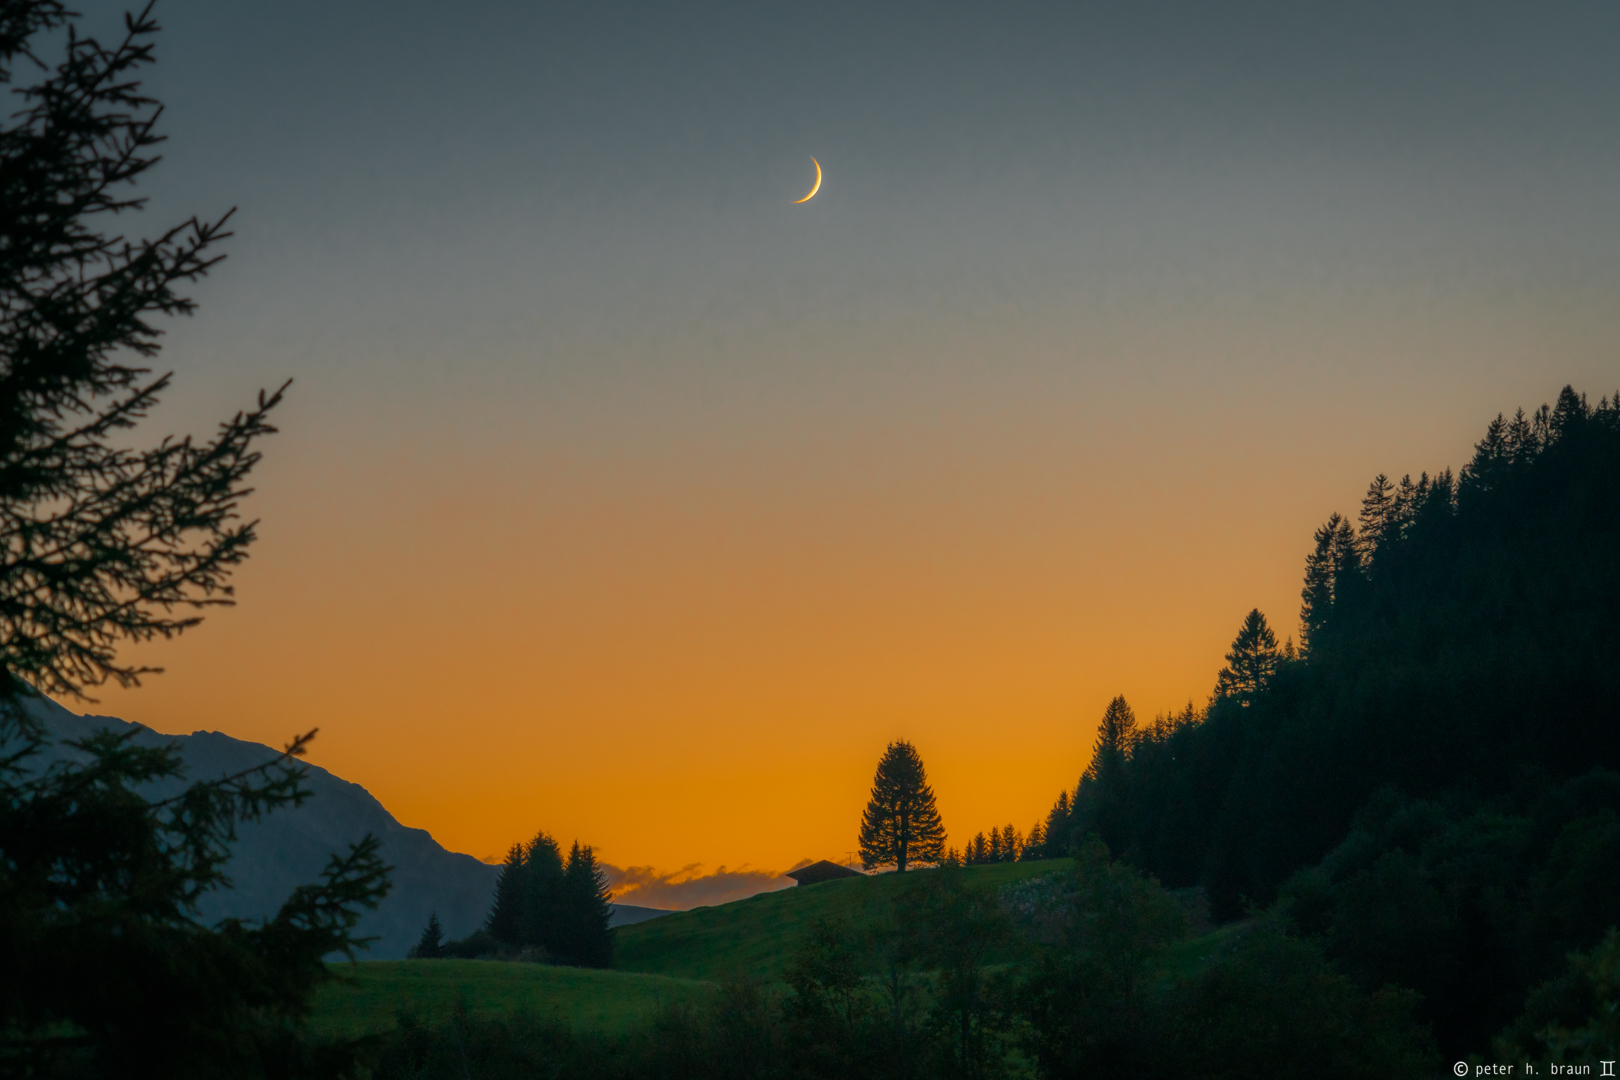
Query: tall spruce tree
x=505, y=921
x=1059, y=825
x=543, y=923
x=1251, y=663
x=430, y=946
x=1520, y=442
x=1376, y=508
x=1116, y=738
x=901, y=825
x=1316, y=598
x=1491, y=462
x=587, y=910
x=1102, y=799
x=1335, y=571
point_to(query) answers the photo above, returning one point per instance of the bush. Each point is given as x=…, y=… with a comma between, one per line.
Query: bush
x=1575, y=1018
x=1276, y=1007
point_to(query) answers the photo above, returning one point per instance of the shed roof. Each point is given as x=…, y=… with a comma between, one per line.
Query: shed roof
x=822, y=871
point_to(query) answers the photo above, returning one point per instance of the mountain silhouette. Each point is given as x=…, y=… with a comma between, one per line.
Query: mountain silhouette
x=290, y=847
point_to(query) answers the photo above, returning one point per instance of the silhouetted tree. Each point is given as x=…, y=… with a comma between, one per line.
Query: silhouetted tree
x=430, y=946
x=1334, y=573
x=544, y=922
x=1492, y=459
x=1521, y=442
x=1116, y=738
x=1102, y=799
x=1316, y=598
x=901, y=824
x=108, y=966
x=587, y=911
x=1251, y=663
x=1059, y=825
x=107, y=959
x=99, y=542
x=1035, y=843
x=1377, y=511
x=505, y=921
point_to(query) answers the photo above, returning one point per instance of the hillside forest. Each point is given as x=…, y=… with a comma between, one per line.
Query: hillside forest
x=1428, y=785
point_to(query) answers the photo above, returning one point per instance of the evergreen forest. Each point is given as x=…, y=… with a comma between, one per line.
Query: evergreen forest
x=1429, y=785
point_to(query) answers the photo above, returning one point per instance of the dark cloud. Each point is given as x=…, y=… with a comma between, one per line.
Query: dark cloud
x=687, y=888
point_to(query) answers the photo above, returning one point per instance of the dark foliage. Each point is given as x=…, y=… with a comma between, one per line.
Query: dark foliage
x=99, y=543
x=585, y=938
x=1468, y=906
x=431, y=945
x=901, y=824
x=1005, y=844
x=474, y=946
x=1251, y=663
x=1087, y=999
x=1573, y=1019
x=548, y=909
x=1275, y=1007
x=107, y=969
x=106, y=961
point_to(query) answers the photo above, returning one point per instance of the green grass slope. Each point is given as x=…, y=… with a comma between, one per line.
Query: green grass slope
x=369, y=995
x=674, y=958
x=757, y=936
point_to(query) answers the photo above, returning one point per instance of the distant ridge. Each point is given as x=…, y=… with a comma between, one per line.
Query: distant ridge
x=290, y=847
x=630, y=914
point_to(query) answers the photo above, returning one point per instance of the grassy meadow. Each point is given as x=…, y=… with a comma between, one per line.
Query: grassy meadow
x=672, y=958
x=756, y=937
x=369, y=996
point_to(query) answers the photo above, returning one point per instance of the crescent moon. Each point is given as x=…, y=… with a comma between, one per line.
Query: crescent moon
x=817, y=185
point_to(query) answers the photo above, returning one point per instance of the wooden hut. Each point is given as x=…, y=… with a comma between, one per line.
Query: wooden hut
x=821, y=871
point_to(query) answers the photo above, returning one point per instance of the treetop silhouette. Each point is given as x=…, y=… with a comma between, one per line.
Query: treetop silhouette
x=901, y=825
x=1251, y=663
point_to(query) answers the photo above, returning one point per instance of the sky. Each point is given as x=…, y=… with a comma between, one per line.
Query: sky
x=621, y=496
